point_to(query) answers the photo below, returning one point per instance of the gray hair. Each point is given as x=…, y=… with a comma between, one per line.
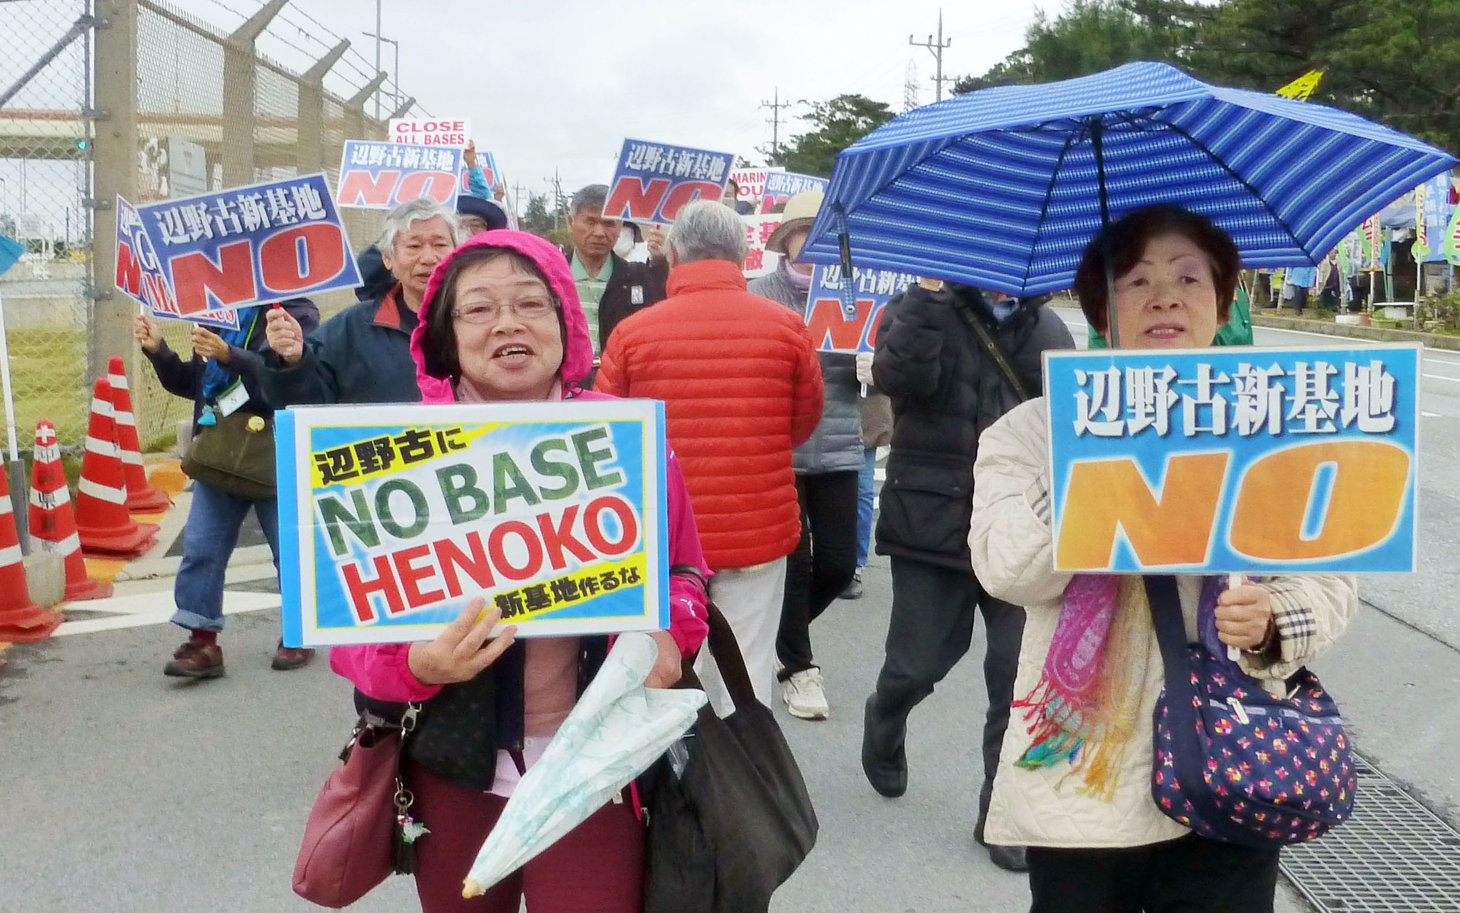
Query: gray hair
x=591, y=197
x=707, y=230
x=406, y=214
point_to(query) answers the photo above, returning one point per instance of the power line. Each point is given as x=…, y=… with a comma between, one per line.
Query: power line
x=936, y=49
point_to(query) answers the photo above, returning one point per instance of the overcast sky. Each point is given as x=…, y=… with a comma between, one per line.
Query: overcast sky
x=559, y=83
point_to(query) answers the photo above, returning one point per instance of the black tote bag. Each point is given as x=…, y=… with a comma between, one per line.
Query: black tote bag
x=729, y=815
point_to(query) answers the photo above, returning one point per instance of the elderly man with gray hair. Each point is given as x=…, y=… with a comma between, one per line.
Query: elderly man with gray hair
x=741, y=387
x=610, y=288
x=362, y=354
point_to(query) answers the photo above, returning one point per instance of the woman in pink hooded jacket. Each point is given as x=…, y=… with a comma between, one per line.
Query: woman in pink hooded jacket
x=501, y=322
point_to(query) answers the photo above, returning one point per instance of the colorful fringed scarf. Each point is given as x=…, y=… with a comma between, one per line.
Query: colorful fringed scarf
x=1083, y=710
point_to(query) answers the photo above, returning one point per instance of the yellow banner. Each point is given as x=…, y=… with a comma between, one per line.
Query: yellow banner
x=538, y=599
x=387, y=454
x=1302, y=87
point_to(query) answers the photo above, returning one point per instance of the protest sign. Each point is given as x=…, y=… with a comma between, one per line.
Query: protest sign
x=385, y=175
x=139, y=274
x=845, y=320
x=488, y=163
x=1234, y=460
x=653, y=180
x=780, y=186
x=758, y=260
x=392, y=518
x=1432, y=200
x=247, y=246
x=750, y=183
x=432, y=132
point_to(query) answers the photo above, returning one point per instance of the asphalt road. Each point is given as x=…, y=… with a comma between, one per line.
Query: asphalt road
x=132, y=793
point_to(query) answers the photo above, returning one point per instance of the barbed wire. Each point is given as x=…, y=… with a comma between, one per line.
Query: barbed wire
x=363, y=70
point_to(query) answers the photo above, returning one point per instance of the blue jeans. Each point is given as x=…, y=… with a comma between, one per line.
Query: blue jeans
x=866, y=494
x=208, y=541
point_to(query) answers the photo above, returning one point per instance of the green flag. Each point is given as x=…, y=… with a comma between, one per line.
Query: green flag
x=1452, y=243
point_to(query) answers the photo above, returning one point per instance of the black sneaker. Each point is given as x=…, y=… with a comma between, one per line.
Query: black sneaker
x=854, y=589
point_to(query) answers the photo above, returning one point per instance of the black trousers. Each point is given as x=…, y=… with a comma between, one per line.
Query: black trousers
x=821, y=566
x=1189, y=875
x=930, y=629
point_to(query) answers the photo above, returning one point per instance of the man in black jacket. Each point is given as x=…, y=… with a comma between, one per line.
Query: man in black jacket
x=610, y=287
x=946, y=388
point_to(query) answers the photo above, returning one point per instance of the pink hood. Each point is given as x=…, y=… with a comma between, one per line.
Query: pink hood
x=577, y=347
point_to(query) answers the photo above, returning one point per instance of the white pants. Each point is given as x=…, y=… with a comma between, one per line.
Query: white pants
x=750, y=599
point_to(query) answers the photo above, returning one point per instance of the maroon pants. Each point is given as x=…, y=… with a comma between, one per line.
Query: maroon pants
x=598, y=867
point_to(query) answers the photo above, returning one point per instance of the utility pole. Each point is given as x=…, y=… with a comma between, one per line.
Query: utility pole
x=377, y=55
x=517, y=198
x=910, y=87
x=558, y=204
x=936, y=49
x=395, y=94
x=776, y=107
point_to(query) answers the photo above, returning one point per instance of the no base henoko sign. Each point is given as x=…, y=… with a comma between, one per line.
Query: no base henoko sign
x=392, y=518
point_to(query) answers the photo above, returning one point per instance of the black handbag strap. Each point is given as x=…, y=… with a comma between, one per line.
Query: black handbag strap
x=726, y=651
x=1170, y=627
x=996, y=352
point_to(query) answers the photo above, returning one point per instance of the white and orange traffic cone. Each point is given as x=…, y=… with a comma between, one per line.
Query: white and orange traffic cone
x=52, y=524
x=102, y=520
x=21, y=621
x=142, y=497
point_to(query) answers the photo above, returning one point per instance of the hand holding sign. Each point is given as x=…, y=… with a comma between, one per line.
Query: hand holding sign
x=469, y=155
x=210, y=345
x=460, y=652
x=285, y=335
x=1244, y=615
x=654, y=239
x=145, y=331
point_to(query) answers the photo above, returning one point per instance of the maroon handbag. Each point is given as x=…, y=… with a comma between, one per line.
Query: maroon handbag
x=352, y=838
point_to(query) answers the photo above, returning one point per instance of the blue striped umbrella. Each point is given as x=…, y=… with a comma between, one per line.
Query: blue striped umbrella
x=1002, y=188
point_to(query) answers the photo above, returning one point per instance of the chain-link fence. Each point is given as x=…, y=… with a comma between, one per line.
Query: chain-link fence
x=44, y=188
x=138, y=98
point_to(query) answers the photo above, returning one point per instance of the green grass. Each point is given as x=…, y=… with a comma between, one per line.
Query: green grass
x=48, y=370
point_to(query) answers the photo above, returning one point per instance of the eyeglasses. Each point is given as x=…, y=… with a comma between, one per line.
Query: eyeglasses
x=527, y=309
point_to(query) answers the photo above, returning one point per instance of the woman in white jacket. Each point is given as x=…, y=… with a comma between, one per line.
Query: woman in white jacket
x=1075, y=783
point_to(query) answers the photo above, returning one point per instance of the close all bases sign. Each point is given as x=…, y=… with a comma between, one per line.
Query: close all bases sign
x=392, y=518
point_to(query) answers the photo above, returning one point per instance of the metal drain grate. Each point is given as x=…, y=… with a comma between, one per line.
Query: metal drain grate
x=1392, y=856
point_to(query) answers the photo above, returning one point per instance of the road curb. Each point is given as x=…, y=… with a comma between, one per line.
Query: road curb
x=1354, y=331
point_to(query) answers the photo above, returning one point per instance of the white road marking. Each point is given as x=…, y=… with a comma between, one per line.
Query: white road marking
x=154, y=608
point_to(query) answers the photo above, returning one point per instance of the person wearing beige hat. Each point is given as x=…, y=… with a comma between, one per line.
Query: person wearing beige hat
x=826, y=468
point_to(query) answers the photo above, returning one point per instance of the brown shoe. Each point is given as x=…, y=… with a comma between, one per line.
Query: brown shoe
x=195, y=660
x=286, y=658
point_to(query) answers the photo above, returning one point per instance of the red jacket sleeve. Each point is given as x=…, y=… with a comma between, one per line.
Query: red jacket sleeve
x=808, y=394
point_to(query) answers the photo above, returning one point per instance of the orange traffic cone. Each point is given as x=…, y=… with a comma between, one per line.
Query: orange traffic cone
x=52, y=525
x=141, y=496
x=102, y=520
x=21, y=621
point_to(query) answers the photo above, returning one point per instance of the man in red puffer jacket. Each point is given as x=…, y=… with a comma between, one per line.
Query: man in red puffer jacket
x=741, y=387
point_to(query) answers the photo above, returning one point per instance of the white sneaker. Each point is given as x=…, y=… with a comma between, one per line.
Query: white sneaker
x=805, y=695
